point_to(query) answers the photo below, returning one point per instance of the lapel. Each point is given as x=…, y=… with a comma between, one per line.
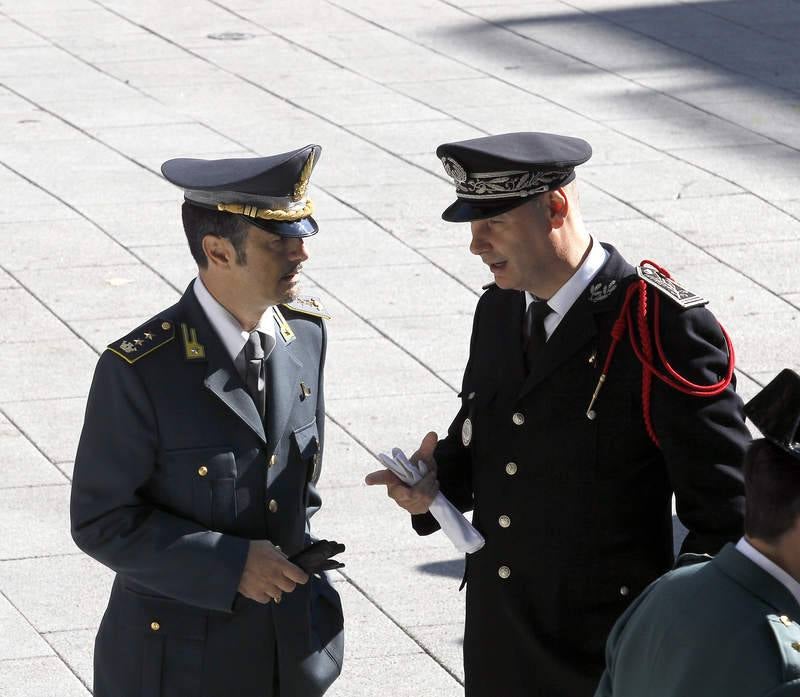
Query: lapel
x=756, y=581
x=580, y=323
x=283, y=370
x=222, y=378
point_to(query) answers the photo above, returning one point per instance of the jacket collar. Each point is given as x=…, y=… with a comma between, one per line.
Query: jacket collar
x=756, y=581
x=579, y=325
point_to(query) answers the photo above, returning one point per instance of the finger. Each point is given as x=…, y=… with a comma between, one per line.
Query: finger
x=426, y=448
x=294, y=574
x=381, y=477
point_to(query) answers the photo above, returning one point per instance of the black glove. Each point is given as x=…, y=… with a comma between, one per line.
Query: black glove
x=317, y=557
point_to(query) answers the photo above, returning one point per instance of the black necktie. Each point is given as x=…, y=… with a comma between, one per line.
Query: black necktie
x=255, y=370
x=537, y=337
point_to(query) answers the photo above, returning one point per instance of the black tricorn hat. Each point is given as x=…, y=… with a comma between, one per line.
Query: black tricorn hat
x=775, y=411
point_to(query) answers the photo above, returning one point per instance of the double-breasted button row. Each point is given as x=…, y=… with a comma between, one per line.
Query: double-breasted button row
x=518, y=418
x=202, y=470
x=272, y=506
x=155, y=625
x=504, y=572
x=272, y=460
x=511, y=468
x=504, y=521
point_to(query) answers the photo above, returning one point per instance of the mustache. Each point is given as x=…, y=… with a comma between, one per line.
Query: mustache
x=293, y=270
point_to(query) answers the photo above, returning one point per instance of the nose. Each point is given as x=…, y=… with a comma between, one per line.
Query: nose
x=480, y=239
x=297, y=250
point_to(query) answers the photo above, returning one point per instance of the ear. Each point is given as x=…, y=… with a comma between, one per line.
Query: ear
x=558, y=207
x=218, y=250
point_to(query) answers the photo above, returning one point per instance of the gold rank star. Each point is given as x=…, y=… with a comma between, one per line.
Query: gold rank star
x=138, y=342
x=148, y=336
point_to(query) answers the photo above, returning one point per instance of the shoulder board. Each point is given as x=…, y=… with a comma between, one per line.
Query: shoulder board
x=670, y=287
x=491, y=284
x=690, y=558
x=787, y=635
x=144, y=340
x=307, y=305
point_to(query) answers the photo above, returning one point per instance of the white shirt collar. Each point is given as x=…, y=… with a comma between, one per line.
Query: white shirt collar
x=770, y=567
x=227, y=327
x=564, y=298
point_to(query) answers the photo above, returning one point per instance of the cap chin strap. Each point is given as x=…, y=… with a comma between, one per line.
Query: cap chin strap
x=267, y=213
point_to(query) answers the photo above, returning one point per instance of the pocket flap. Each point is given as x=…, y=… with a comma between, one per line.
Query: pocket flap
x=159, y=615
x=307, y=439
x=218, y=463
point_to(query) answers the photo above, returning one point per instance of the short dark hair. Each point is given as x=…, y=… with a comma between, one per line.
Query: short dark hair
x=199, y=222
x=772, y=490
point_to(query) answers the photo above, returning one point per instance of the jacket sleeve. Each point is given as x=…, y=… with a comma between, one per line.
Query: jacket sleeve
x=453, y=462
x=113, y=521
x=314, y=500
x=703, y=439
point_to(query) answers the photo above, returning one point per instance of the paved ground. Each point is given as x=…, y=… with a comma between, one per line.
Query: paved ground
x=693, y=109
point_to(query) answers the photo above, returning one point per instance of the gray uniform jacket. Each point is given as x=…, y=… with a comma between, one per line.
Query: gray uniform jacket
x=175, y=473
x=725, y=627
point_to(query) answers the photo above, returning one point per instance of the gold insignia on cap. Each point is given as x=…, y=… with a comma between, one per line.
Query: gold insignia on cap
x=192, y=348
x=301, y=187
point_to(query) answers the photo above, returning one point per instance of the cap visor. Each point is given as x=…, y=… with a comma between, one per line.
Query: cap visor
x=463, y=211
x=298, y=228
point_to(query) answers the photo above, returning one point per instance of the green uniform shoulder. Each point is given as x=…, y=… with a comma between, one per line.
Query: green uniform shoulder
x=144, y=340
x=307, y=305
x=786, y=633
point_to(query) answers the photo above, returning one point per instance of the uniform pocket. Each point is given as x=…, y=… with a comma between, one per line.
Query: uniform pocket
x=209, y=474
x=172, y=639
x=306, y=440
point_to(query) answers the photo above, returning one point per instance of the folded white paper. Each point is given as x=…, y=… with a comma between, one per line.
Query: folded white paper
x=457, y=528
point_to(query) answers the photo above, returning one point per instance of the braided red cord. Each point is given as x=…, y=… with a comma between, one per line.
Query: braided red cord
x=643, y=349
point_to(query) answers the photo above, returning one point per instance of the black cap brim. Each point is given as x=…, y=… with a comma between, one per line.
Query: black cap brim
x=298, y=228
x=462, y=211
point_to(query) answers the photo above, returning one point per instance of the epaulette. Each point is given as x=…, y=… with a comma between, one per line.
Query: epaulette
x=670, y=287
x=144, y=340
x=690, y=558
x=307, y=305
x=787, y=636
x=488, y=285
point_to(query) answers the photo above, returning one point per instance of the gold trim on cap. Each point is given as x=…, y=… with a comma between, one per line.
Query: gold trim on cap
x=267, y=213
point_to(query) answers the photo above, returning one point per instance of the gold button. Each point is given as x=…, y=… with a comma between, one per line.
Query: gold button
x=504, y=572
x=155, y=626
x=511, y=469
x=202, y=470
x=504, y=521
x=624, y=590
x=786, y=621
x=272, y=461
x=518, y=419
x=796, y=645
x=273, y=506
x=165, y=325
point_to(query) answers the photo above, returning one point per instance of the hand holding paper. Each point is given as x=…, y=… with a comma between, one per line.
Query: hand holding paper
x=457, y=528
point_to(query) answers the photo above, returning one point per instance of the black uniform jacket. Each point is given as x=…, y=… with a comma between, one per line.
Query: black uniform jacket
x=175, y=473
x=585, y=504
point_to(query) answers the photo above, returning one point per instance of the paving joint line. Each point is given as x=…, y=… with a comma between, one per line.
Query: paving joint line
x=44, y=638
x=668, y=154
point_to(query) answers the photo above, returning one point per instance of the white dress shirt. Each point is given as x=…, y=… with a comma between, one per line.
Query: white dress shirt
x=564, y=298
x=770, y=567
x=229, y=330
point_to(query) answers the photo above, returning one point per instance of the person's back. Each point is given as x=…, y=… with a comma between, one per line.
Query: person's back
x=728, y=627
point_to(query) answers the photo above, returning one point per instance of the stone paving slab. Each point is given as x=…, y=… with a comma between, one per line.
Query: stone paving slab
x=34, y=677
x=18, y=639
x=24, y=463
x=32, y=518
